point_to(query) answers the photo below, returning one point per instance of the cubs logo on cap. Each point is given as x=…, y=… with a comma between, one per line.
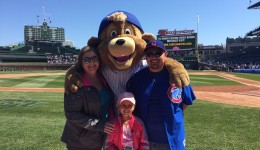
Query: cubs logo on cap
x=155, y=43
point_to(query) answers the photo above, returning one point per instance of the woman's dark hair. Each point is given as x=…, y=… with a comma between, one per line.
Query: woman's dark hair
x=84, y=50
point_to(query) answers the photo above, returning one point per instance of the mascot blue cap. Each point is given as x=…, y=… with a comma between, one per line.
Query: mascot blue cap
x=130, y=18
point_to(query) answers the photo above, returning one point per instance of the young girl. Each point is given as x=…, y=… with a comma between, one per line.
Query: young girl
x=129, y=131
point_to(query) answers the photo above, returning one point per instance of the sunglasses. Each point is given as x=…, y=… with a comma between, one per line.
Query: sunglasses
x=155, y=54
x=126, y=106
x=90, y=59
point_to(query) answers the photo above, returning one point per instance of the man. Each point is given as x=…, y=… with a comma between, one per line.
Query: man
x=159, y=103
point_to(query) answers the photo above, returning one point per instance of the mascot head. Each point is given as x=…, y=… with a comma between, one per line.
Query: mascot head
x=121, y=40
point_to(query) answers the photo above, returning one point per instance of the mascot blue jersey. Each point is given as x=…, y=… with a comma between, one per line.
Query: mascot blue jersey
x=159, y=105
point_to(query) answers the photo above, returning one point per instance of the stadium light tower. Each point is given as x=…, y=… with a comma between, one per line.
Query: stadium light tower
x=197, y=48
x=44, y=15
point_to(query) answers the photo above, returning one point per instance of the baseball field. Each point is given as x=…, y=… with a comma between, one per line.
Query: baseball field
x=225, y=116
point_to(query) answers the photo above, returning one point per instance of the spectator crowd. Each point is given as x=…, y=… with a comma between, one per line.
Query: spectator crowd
x=62, y=59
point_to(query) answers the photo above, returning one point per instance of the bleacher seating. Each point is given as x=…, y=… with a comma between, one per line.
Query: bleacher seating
x=21, y=49
x=5, y=50
x=42, y=50
x=240, y=55
x=37, y=51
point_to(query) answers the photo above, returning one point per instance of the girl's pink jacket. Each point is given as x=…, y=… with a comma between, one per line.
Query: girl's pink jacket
x=140, y=141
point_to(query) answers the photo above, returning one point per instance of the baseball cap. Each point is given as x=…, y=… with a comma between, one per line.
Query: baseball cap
x=155, y=43
x=130, y=18
x=126, y=96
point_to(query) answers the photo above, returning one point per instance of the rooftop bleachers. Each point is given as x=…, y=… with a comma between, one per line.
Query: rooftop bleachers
x=241, y=55
x=243, y=40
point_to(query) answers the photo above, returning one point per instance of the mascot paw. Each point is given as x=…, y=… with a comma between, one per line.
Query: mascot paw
x=178, y=74
x=72, y=80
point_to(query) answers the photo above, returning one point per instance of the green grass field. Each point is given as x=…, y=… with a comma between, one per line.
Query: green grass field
x=57, y=81
x=207, y=80
x=251, y=76
x=31, y=120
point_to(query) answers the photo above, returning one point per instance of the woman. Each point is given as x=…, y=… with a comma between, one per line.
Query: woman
x=88, y=110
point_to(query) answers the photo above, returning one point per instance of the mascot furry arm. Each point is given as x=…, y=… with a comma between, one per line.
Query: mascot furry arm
x=120, y=44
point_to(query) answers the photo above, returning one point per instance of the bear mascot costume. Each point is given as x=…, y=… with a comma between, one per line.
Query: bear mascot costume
x=120, y=44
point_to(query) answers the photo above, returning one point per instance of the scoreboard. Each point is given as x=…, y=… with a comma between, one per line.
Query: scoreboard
x=43, y=33
x=178, y=40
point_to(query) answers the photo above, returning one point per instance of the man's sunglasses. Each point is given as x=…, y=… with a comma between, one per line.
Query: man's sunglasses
x=155, y=54
x=90, y=59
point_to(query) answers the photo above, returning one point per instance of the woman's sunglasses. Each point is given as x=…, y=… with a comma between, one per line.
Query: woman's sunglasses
x=90, y=59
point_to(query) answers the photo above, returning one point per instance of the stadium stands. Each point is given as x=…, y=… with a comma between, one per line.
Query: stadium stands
x=32, y=53
x=254, y=6
x=5, y=49
x=254, y=32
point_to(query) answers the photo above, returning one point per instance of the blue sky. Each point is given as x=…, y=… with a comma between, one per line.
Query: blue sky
x=219, y=19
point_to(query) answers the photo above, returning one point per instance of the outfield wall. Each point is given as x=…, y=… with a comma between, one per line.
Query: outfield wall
x=25, y=67
x=257, y=71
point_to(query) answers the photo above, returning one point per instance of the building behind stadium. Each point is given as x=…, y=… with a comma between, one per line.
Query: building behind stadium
x=44, y=46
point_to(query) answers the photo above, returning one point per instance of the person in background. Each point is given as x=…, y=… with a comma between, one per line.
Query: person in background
x=129, y=133
x=159, y=103
x=88, y=110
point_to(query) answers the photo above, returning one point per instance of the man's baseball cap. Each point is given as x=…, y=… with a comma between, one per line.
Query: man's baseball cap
x=130, y=18
x=155, y=43
x=126, y=96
